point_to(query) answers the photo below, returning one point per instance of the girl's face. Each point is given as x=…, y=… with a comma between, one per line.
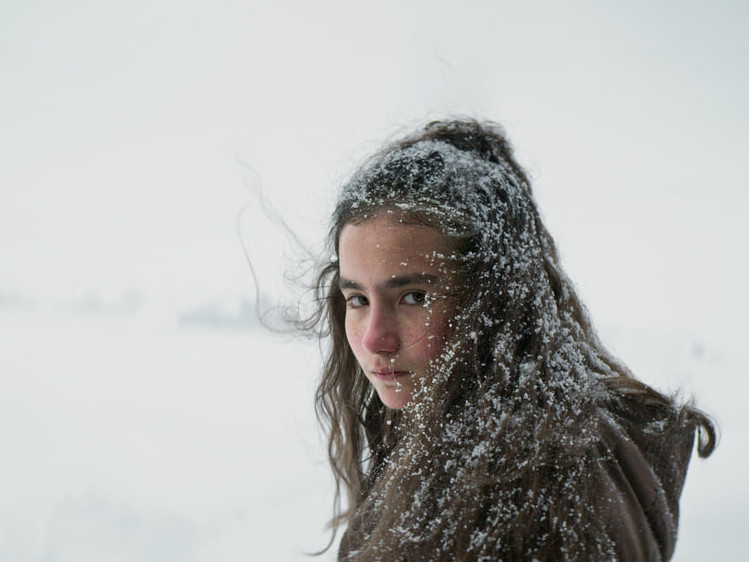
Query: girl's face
x=396, y=280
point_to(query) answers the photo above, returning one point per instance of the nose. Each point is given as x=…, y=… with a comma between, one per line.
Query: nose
x=381, y=335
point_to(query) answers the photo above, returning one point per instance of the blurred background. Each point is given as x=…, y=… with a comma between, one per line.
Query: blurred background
x=143, y=413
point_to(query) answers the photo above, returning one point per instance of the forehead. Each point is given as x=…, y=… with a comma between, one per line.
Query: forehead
x=385, y=243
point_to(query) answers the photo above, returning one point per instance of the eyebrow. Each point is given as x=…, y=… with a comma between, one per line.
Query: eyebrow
x=393, y=282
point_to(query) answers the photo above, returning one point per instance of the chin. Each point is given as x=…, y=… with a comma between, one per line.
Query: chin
x=393, y=399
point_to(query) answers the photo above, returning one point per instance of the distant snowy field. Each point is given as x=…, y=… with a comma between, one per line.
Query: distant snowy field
x=128, y=440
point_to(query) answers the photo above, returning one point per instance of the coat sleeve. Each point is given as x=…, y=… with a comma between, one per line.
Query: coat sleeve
x=643, y=471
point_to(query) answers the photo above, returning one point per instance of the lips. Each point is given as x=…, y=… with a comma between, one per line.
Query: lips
x=387, y=374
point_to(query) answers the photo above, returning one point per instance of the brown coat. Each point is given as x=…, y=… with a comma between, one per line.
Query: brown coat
x=642, y=459
x=644, y=477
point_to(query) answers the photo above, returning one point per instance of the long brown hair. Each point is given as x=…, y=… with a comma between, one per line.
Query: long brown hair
x=490, y=457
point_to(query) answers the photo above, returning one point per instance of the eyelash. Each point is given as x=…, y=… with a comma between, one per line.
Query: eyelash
x=350, y=301
x=420, y=300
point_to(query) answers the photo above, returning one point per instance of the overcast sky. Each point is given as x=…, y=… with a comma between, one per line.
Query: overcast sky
x=127, y=130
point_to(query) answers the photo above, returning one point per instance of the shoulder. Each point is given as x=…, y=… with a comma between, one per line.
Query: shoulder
x=645, y=454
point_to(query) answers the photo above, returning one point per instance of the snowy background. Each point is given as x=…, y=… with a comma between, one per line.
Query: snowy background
x=143, y=417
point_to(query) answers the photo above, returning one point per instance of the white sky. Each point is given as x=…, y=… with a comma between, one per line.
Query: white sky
x=122, y=125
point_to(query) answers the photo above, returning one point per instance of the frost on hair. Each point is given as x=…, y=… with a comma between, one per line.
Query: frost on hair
x=505, y=448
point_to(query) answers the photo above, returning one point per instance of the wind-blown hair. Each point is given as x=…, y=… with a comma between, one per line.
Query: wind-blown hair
x=493, y=455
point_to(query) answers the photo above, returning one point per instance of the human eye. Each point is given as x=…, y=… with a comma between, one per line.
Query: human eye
x=356, y=301
x=414, y=298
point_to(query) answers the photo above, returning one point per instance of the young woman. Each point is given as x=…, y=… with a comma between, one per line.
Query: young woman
x=472, y=411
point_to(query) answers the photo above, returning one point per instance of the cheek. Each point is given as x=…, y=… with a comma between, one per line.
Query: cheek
x=352, y=336
x=437, y=332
